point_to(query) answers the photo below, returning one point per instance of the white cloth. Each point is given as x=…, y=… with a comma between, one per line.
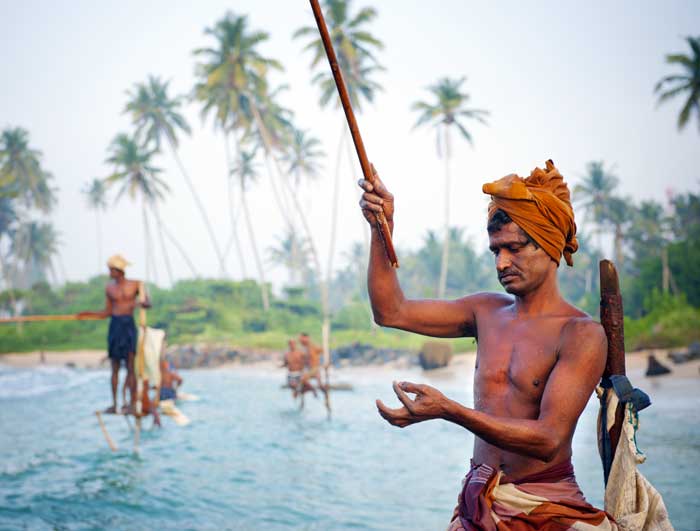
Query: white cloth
x=152, y=346
x=629, y=497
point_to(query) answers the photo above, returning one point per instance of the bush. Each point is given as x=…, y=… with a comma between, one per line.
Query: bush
x=669, y=322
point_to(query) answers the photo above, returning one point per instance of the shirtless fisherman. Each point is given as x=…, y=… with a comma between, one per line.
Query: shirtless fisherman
x=294, y=361
x=121, y=298
x=538, y=360
x=313, y=362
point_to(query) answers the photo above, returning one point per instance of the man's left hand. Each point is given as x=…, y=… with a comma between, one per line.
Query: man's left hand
x=429, y=403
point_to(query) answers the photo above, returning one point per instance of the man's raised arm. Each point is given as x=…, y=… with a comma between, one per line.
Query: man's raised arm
x=389, y=306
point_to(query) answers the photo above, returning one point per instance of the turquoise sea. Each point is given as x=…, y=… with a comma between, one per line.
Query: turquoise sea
x=251, y=460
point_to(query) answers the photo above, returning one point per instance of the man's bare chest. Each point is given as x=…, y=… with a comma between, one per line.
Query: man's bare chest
x=515, y=358
x=122, y=293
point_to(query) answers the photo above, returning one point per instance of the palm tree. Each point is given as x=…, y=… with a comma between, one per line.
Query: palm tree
x=649, y=235
x=21, y=174
x=96, y=196
x=686, y=83
x=354, y=47
x=302, y=155
x=34, y=246
x=158, y=116
x=618, y=212
x=272, y=131
x=228, y=75
x=8, y=219
x=594, y=192
x=293, y=253
x=136, y=177
x=246, y=172
x=447, y=110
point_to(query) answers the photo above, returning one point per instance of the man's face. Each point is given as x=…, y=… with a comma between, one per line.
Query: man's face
x=521, y=266
x=115, y=273
x=304, y=340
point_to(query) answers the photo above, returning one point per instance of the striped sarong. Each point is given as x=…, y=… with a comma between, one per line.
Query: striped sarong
x=550, y=500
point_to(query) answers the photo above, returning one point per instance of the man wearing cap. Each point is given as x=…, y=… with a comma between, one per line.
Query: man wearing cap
x=538, y=359
x=121, y=298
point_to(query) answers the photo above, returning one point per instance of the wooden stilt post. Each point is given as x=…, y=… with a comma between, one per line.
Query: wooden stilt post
x=137, y=434
x=109, y=440
x=612, y=319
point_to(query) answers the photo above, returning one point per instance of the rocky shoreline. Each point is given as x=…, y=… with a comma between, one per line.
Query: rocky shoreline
x=217, y=355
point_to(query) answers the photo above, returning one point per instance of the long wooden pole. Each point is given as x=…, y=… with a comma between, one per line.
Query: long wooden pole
x=380, y=221
x=612, y=319
x=39, y=318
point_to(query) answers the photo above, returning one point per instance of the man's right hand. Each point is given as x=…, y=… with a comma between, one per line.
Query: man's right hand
x=375, y=199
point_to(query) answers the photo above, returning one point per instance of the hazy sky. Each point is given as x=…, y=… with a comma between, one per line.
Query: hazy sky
x=569, y=82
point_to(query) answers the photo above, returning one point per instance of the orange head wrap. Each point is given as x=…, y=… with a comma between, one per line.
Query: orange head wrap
x=541, y=206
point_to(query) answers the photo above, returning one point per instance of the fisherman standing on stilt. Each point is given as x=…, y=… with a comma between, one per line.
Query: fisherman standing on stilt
x=538, y=361
x=121, y=299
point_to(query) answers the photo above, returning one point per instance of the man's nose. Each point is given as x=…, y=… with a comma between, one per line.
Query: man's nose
x=503, y=260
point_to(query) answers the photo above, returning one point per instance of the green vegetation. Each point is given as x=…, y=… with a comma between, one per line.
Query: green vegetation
x=208, y=311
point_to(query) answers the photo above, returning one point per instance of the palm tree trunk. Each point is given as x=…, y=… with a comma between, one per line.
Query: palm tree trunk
x=365, y=239
x=148, y=247
x=446, y=242
x=334, y=207
x=10, y=291
x=323, y=284
x=234, y=228
x=281, y=205
x=256, y=255
x=166, y=257
x=175, y=243
x=99, y=241
x=619, y=256
x=202, y=210
x=665, y=270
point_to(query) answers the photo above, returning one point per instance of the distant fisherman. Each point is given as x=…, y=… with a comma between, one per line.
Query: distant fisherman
x=170, y=380
x=312, y=362
x=121, y=298
x=294, y=361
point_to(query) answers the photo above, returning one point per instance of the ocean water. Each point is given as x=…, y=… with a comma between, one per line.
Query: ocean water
x=251, y=460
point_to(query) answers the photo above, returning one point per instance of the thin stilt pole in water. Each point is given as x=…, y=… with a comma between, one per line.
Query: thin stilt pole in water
x=109, y=440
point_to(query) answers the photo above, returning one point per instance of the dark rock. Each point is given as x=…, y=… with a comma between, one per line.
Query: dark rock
x=679, y=357
x=435, y=354
x=655, y=368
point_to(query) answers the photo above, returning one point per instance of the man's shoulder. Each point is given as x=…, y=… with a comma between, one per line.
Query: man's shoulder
x=488, y=300
x=581, y=331
x=580, y=322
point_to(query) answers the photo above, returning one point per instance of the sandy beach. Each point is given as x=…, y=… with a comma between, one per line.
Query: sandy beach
x=461, y=363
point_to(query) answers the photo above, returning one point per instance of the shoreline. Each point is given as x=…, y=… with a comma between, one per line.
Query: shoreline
x=636, y=363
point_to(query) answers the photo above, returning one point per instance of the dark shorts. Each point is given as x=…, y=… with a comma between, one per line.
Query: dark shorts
x=168, y=393
x=121, y=339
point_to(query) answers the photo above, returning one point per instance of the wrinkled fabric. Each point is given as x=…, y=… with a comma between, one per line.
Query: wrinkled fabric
x=541, y=206
x=629, y=497
x=550, y=500
x=148, y=367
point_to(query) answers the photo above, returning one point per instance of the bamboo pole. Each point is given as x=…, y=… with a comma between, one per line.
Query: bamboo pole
x=381, y=223
x=109, y=440
x=41, y=318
